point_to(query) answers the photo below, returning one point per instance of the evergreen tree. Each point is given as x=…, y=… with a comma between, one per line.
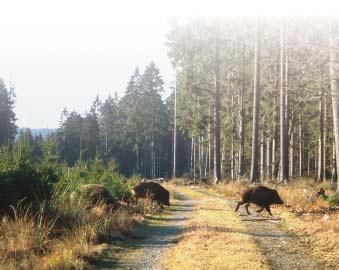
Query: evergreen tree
x=107, y=127
x=70, y=141
x=8, y=128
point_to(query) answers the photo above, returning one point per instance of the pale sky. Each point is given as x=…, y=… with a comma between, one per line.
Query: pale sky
x=63, y=53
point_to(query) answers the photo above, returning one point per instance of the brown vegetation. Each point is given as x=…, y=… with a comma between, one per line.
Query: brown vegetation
x=63, y=238
x=310, y=217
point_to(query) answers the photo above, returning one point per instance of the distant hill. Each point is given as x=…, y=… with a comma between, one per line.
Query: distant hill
x=43, y=131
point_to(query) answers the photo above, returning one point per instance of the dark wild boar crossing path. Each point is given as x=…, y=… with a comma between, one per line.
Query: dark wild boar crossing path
x=280, y=249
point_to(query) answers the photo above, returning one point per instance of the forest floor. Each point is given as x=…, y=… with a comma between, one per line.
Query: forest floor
x=201, y=231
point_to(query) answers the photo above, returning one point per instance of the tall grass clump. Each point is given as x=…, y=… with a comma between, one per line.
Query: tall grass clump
x=24, y=237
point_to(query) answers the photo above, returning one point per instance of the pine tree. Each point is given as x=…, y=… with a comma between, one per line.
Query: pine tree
x=8, y=128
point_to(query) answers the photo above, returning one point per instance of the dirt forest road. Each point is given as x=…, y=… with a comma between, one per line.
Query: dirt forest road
x=202, y=231
x=158, y=233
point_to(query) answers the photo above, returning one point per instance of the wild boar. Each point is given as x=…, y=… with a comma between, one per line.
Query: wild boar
x=321, y=193
x=96, y=194
x=154, y=190
x=261, y=196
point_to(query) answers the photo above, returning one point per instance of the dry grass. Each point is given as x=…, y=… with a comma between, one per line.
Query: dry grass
x=69, y=240
x=306, y=216
x=179, y=181
x=23, y=238
x=223, y=245
x=297, y=195
x=321, y=232
x=146, y=206
x=231, y=189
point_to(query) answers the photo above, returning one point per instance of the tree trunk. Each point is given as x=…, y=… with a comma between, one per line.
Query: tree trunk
x=217, y=165
x=194, y=158
x=291, y=155
x=334, y=165
x=206, y=165
x=262, y=157
x=321, y=134
x=283, y=172
x=199, y=156
x=269, y=157
x=256, y=98
x=175, y=129
x=287, y=110
x=145, y=161
x=234, y=128
x=308, y=163
x=192, y=155
x=137, y=155
x=334, y=75
x=325, y=136
x=275, y=141
x=301, y=146
x=202, y=158
x=209, y=143
x=233, y=169
x=315, y=173
x=241, y=130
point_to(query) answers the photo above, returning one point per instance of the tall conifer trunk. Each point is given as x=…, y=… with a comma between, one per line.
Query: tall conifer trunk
x=217, y=165
x=256, y=98
x=321, y=134
x=241, y=130
x=283, y=172
x=334, y=75
x=301, y=147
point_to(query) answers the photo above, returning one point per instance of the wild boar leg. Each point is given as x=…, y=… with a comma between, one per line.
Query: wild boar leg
x=239, y=203
x=268, y=209
x=260, y=210
x=246, y=206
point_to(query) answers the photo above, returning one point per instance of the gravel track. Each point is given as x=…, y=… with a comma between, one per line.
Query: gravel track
x=281, y=249
x=162, y=232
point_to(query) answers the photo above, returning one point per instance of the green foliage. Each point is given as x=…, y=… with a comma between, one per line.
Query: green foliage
x=133, y=131
x=116, y=184
x=8, y=127
x=92, y=172
x=333, y=200
x=22, y=177
x=32, y=179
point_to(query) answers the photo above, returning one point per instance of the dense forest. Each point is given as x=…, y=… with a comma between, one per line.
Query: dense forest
x=251, y=98
x=251, y=117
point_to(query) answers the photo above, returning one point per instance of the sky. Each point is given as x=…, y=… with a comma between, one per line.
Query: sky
x=62, y=53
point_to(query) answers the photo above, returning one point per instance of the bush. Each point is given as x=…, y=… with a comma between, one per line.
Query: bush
x=24, y=179
x=117, y=185
x=333, y=200
x=90, y=173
